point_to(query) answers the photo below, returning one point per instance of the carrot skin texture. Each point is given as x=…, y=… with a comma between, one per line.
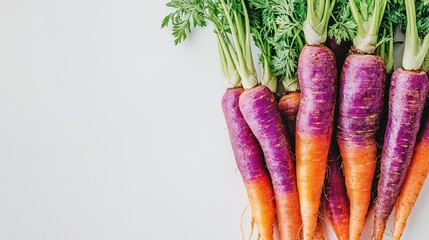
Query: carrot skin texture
x=416, y=176
x=288, y=106
x=336, y=202
x=317, y=77
x=407, y=96
x=249, y=159
x=259, y=108
x=361, y=100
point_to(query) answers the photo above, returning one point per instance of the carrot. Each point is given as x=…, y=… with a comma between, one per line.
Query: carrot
x=336, y=202
x=250, y=162
x=288, y=106
x=413, y=183
x=317, y=75
x=317, y=78
x=407, y=96
x=361, y=95
x=247, y=151
x=259, y=107
x=361, y=99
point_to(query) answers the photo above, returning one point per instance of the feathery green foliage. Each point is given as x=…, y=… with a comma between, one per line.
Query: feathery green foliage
x=231, y=26
x=343, y=27
x=394, y=20
x=277, y=30
x=422, y=15
x=190, y=13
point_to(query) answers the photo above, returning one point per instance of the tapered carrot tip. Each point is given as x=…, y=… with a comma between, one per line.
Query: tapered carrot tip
x=261, y=198
x=379, y=227
x=288, y=216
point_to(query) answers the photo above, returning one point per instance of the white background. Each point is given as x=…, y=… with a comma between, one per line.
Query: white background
x=109, y=131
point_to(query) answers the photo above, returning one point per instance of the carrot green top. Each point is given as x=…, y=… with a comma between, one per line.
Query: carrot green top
x=277, y=30
x=415, y=50
x=425, y=65
x=343, y=28
x=367, y=15
x=316, y=23
x=232, y=28
x=394, y=19
x=262, y=26
x=423, y=26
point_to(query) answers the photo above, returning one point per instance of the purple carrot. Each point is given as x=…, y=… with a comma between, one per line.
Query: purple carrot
x=249, y=159
x=407, y=96
x=408, y=93
x=361, y=96
x=336, y=202
x=317, y=76
x=259, y=108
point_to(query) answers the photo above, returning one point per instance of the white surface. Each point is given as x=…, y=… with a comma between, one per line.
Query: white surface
x=108, y=131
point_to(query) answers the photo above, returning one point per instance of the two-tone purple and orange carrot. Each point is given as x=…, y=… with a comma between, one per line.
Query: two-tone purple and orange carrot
x=361, y=100
x=335, y=201
x=407, y=97
x=317, y=77
x=249, y=159
x=413, y=183
x=247, y=150
x=259, y=107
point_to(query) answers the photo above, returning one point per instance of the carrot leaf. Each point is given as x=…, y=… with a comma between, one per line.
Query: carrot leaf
x=343, y=27
x=231, y=26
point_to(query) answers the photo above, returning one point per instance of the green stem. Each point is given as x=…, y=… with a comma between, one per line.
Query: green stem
x=357, y=17
x=425, y=66
x=249, y=57
x=234, y=36
x=367, y=34
x=228, y=66
x=316, y=24
x=414, y=53
x=390, y=58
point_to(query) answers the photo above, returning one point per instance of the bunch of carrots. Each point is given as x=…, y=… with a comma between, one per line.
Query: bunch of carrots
x=329, y=124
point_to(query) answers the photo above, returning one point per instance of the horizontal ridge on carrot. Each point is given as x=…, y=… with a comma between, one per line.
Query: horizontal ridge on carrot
x=361, y=100
x=246, y=148
x=407, y=96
